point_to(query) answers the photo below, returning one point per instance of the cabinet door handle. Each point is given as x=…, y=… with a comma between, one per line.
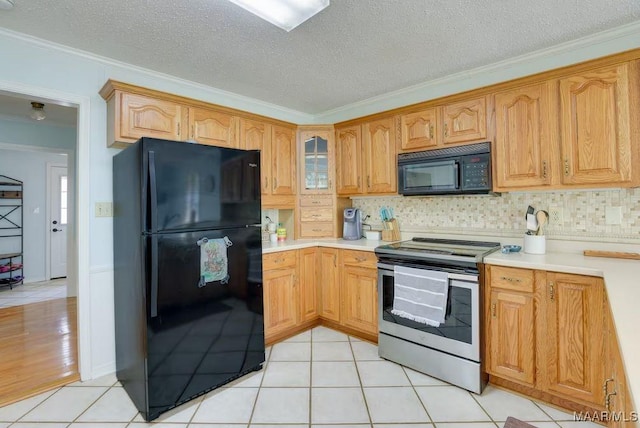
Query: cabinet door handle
x=544, y=169
x=566, y=167
x=369, y=181
x=178, y=128
x=605, y=386
x=552, y=292
x=193, y=132
x=493, y=310
x=607, y=400
x=266, y=182
x=329, y=184
x=334, y=261
x=446, y=130
x=358, y=181
x=431, y=132
x=275, y=183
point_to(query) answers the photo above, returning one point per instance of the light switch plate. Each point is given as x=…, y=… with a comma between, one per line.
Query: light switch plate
x=613, y=215
x=104, y=209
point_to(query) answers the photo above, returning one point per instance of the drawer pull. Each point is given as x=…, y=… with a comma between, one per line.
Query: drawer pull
x=493, y=310
x=278, y=260
x=315, y=202
x=506, y=278
x=361, y=259
x=317, y=230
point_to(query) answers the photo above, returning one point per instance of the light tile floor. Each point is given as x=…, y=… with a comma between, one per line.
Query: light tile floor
x=33, y=292
x=319, y=379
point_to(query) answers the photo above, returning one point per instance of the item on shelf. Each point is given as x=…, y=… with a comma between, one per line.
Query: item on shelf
x=510, y=249
x=281, y=232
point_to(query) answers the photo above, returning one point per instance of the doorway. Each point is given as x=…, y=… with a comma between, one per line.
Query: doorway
x=41, y=335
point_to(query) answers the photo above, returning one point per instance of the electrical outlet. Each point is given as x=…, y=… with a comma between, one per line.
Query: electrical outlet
x=104, y=209
x=556, y=216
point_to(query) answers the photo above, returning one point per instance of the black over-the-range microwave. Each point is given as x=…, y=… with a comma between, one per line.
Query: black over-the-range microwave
x=450, y=171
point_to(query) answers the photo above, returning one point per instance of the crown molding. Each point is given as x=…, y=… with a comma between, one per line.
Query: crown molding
x=586, y=48
x=215, y=95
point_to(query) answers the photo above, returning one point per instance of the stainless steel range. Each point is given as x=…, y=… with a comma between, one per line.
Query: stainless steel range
x=449, y=349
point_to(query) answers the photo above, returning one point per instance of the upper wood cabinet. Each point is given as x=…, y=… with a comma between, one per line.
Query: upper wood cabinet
x=419, y=130
x=380, y=156
x=464, y=121
x=213, y=128
x=277, y=160
x=524, y=140
x=349, y=161
x=595, y=131
x=316, y=150
x=283, y=161
x=136, y=116
x=366, y=158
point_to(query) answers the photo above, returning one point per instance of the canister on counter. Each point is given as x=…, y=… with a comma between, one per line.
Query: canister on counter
x=281, y=232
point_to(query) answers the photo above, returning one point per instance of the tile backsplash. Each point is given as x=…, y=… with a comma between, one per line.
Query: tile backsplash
x=583, y=212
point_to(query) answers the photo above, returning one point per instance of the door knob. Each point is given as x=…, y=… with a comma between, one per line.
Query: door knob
x=55, y=221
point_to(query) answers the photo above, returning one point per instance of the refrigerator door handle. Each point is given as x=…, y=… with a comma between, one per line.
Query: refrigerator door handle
x=153, y=212
x=154, y=277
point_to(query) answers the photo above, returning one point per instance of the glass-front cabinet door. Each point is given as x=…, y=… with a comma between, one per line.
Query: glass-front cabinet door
x=317, y=161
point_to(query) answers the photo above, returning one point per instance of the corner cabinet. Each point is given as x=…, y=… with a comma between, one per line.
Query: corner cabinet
x=367, y=158
x=546, y=331
x=595, y=129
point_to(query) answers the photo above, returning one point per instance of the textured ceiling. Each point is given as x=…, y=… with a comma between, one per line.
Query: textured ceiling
x=351, y=51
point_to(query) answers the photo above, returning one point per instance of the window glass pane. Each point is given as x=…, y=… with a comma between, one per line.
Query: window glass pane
x=322, y=145
x=323, y=164
x=323, y=179
x=310, y=145
x=63, y=199
x=310, y=180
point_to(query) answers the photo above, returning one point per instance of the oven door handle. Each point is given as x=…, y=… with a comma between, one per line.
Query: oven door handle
x=452, y=276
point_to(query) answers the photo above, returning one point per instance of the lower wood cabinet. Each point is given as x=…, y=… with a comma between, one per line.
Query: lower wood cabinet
x=546, y=331
x=329, y=283
x=308, y=290
x=280, y=276
x=359, y=290
x=303, y=287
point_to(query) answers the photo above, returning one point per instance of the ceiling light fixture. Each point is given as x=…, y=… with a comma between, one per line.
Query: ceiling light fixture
x=286, y=14
x=6, y=4
x=37, y=111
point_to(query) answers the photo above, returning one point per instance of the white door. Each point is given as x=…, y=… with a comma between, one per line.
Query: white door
x=58, y=226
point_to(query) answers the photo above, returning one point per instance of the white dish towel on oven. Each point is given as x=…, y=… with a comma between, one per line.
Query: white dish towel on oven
x=420, y=295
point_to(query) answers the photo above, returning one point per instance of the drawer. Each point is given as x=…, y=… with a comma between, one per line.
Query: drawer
x=359, y=258
x=512, y=278
x=279, y=260
x=316, y=230
x=316, y=214
x=316, y=202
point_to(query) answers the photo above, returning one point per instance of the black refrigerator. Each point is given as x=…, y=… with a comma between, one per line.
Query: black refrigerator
x=187, y=270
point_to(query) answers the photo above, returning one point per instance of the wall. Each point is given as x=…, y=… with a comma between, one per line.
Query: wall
x=503, y=216
x=38, y=134
x=30, y=168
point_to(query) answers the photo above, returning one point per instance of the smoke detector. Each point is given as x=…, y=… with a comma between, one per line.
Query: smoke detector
x=6, y=4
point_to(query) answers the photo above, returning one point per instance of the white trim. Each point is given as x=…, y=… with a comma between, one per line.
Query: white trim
x=238, y=101
x=47, y=236
x=83, y=104
x=23, y=148
x=100, y=269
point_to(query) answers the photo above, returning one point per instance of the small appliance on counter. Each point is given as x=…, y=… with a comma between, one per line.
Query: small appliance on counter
x=352, y=229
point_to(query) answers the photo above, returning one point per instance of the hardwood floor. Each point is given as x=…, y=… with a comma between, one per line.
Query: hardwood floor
x=39, y=348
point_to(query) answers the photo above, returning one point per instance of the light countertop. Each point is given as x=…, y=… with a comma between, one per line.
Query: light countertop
x=622, y=283
x=298, y=244
x=621, y=278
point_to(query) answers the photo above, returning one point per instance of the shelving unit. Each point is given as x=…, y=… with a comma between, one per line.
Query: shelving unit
x=11, y=237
